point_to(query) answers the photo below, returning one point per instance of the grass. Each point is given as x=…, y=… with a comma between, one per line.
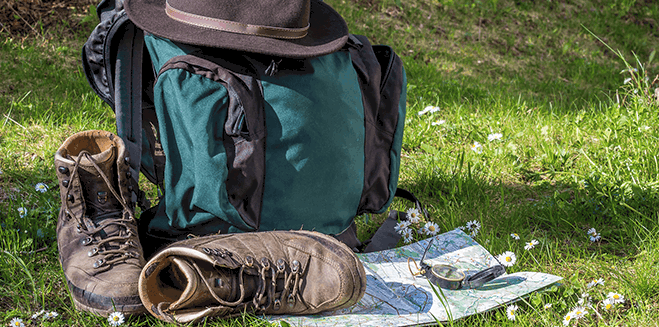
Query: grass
x=577, y=151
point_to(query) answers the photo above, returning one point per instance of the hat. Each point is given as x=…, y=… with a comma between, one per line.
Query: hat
x=284, y=28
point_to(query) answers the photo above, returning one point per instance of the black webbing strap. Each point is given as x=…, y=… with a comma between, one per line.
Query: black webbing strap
x=128, y=102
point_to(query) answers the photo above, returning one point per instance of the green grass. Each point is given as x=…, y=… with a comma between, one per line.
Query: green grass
x=578, y=147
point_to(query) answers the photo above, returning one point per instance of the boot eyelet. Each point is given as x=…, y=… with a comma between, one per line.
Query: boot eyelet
x=63, y=169
x=206, y=250
x=65, y=183
x=295, y=265
x=86, y=241
x=92, y=252
x=98, y=263
x=281, y=265
x=290, y=300
x=70, y=198
x=249, y=261
x=265, y=263
x=276, y=305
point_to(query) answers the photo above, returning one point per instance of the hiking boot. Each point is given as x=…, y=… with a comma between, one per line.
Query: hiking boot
x=275, y=272
x=99, y=249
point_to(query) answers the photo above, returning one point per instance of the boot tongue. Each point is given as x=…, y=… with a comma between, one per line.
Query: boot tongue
x=196, y=293
x=100, y=201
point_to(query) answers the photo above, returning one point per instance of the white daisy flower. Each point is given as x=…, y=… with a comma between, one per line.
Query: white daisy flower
x=41, y=187
x=50, y=315
x=22, y=212
x=428, y=109
x=36, y=315
x=116, y=319
x=473, y=225
x=514, y=236
x=401, y=226
x=608, y=304
x=507, y=259
x=408, y=235
x=511, y=311
x=592, y=231
x=616, y=297
x=495, y=136
x=462, y=228
x=17, y=322
x=473, y=233
x=439, y=122
x=431, y=228
x=595, y=282
x=595, y=238
x=413, y=215
x=579, y=312
x=477, y=147
x=531, y=245
x=547, y=306
x=568, y=318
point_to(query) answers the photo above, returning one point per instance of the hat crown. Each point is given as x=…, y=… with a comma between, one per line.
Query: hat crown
x=268, y=13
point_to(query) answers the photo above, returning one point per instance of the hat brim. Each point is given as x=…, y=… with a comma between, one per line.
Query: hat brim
x=327, y=32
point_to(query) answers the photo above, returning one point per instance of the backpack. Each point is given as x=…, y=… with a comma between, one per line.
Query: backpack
x=276, y=161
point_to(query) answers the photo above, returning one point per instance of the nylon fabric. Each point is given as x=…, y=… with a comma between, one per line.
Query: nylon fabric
x=314, y=151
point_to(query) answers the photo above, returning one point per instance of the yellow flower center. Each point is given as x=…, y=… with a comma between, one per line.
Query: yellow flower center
x=616, y=296
x=568, y=317
x=115, y=318
x=509, y=259
x=608, y=306
x=431, y=228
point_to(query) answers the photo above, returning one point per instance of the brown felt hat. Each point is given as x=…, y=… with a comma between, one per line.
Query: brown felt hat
x=285, y=28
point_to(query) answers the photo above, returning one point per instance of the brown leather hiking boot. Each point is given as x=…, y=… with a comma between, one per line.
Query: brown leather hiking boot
x=99, y=249
x=277, y=272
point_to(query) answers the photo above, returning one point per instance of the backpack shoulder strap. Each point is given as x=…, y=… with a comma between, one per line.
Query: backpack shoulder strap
x=112, y=62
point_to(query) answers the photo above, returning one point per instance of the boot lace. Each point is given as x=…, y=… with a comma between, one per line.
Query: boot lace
x=268, y=275
x=106, y=247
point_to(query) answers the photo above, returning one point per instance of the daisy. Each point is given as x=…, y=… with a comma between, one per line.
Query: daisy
x=579, y=312
x=22, y=212
x=477, y=147
x=51, y=314
x=568, y=318
x=608, y=304
x=531, y=245
x=36, y=315
x=473, y=233
x=17, y=322
x=428, y=109
x=507, y=259
x=116, y=318
x=547, y=306
x=413, y=215
x=616, y=297
x=439, y=122
x=495, y=136
x=41, y=187
x=595, y=282
x=514, y=236
x=431, y=228
x=473, y=225
x=594, y=235
x=401, y=226
x=511, y=311
x=407, y=234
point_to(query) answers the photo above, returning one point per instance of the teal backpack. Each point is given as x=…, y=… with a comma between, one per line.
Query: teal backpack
x=241, y=142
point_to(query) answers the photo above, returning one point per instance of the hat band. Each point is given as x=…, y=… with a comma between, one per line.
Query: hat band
x=234, y=27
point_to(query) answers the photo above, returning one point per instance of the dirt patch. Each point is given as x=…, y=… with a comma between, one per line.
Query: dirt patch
x=37, y=17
